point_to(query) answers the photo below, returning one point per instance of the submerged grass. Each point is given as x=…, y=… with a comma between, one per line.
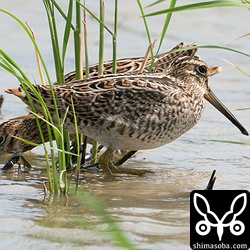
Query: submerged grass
x=233, y=142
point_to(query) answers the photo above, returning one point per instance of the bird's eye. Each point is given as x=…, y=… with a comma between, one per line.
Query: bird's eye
x=202, y=69
x=1, y=139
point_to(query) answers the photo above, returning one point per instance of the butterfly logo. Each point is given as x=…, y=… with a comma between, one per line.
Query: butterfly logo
x=210, y=219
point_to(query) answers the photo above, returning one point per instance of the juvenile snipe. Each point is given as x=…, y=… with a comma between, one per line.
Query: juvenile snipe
x=135, y=111
x=25, y=126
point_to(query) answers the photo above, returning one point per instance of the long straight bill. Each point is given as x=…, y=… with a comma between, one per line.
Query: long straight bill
x=212, y=98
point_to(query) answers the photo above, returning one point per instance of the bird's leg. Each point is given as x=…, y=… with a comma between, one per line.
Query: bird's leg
x=105, y=161
x=124, y=157
x=109, y=168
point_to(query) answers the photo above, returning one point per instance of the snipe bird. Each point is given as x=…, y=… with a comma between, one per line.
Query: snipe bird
x=134, y=111
x=21, y=127
x=26, y=127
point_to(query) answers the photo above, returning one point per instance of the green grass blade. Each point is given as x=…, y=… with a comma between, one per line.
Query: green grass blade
x=78, y=42
x=32, y=40
x=195, y=6
x=54, y=40
x=118, y=236
x=96, y=18
x=166, y=25
x=101, y=38
x=26, y=141
x=68, y=28
x=63, y=14
x=115, y=37
x=233, y=142
x=85, y=34
x=208, y=46
x=9, y=65
x=11, y=70
x=145, y=22
x=52, y=175
x=100, y=66
x=78, y=146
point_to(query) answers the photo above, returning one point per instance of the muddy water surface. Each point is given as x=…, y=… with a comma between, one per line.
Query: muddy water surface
x=152, y=210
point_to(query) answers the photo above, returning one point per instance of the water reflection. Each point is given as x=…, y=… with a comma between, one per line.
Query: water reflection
x=151, y=210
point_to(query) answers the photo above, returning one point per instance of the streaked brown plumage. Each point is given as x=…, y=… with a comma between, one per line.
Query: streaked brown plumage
x=134, y=111
x=17, y=126
x=20, y=127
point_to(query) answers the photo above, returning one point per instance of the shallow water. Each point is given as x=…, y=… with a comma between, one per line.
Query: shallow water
x=152, y=210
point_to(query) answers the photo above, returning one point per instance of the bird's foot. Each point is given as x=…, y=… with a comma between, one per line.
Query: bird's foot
x=109, y=168
x=124, y=170
x=15, y=159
